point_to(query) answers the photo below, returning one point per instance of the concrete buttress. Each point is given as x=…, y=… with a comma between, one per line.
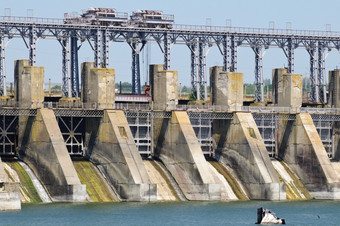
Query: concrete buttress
x=112, y=148
x=240, y=146
x=177, y=146
x=44, y=150
x=301, y=148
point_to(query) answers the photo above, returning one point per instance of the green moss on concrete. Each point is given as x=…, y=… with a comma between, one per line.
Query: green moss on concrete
x=26, y=183
x=235, y=186
x=95, y=186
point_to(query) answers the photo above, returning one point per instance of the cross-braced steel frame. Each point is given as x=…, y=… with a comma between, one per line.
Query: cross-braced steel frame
x=197, y=38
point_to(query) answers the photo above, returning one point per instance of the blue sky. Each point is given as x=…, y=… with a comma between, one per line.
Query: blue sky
x=309, y=15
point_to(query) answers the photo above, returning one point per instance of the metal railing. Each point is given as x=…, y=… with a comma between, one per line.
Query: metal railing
x=169, y=107
x=201, y=28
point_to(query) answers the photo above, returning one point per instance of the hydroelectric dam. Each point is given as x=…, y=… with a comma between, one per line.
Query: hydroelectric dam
x=94, y=145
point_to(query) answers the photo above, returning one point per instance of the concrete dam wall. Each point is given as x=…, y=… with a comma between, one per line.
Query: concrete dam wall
x=94, y=155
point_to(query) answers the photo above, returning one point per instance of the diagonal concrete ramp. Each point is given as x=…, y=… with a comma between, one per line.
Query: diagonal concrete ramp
x=180, y=151
x=301, y=148
x=44, y=150
x=113, y=150
x=240, y=146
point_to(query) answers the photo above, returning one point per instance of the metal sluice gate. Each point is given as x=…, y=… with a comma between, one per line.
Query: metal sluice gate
x=72, y=126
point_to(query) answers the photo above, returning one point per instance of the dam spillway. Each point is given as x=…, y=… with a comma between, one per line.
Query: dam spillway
x=116, y=138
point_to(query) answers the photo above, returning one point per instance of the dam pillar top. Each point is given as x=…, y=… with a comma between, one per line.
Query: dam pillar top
x=289, y=92
x=98, y=85
x=29, y=84
x=277, y=74
x=334, y=88
x=226, y=88
x=164, y=86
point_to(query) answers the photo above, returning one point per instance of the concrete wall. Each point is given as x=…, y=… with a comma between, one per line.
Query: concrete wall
x=9, y=192
x=112, y=148
x=98, y=85
x=226, y=88
x=180, y=151
x=164, y=87
x=29, y=84
x=301, y=148
x=240, y=146
x=43, y=148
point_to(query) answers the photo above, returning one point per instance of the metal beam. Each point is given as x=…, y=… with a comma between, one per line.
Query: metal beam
x=233, y=54
x=3, y=91
x=32, y=45
x=98, y=49
x=74, y=66
x=322, y=73
x=66, y=64
x=290, y=55
x=167, y=45
x=259, y=97
x=106, y=47
x=136, y=89
x=195, y=87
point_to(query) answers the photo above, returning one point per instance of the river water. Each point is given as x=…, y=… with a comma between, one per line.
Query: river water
x=172, y=213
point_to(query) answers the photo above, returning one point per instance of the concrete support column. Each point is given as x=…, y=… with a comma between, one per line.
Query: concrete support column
x=98, y=85
x=226, y=88
x=334, y=102
x=289, y=92
x=277, y=82
x=29, y=84
x=164, y=87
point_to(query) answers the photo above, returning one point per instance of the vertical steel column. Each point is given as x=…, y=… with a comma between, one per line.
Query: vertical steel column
x=314, y=82
x=259, y=97
x=98, y=49
x=290, y=56
x=226, y=42
x=136, y=89
x=167, y=44
x=233, y=54
x=3, y=91
x=195, y=89
x=66, y=86
x=106, y=47
x=32, y=46
x=321, y=73
x=202, y=83
x=74, y=65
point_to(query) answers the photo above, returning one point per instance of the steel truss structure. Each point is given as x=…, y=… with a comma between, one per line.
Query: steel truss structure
x=198, y=38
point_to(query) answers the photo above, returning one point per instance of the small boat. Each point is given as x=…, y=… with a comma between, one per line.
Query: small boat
x=265, y=216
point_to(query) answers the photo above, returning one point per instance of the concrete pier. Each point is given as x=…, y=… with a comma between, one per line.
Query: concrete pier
x=29, y=84
x=334, y=101
x=164, y=86
x=98, y=85
x=112, y=148
x=178, y=148
x=226, y=88
x=300, y=146
x=40, y=142
x=44, y=150
x=239, y=144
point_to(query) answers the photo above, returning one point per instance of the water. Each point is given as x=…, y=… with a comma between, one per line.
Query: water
x=172, y=213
